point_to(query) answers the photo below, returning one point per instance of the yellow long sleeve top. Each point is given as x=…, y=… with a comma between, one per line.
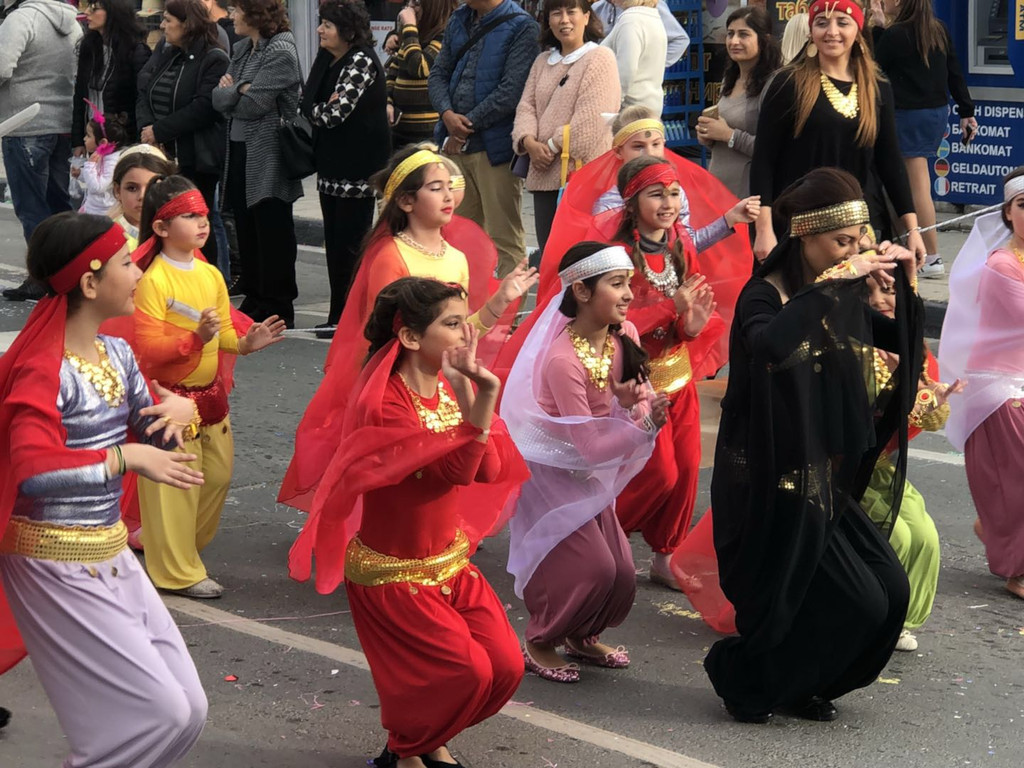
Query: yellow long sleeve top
x=177, y=293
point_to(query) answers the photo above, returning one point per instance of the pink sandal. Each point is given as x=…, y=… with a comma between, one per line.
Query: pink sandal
x=617, y=659
x=567, y=673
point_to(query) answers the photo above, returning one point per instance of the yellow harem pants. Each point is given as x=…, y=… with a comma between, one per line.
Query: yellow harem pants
x=177, y=525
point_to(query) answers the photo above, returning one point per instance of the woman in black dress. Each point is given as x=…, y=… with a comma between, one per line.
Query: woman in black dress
x=820, y=597
x=831, y=108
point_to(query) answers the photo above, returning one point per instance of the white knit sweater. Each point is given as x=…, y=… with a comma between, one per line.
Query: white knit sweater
x=639, y=43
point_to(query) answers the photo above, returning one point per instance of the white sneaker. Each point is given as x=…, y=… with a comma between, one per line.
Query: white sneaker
x=207, y=589
x=907, y=642
x=933, y=269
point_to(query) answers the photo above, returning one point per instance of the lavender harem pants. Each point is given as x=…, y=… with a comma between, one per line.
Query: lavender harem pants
x=110, y=658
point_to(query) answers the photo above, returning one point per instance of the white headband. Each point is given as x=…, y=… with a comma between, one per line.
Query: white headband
x=1012, y=188
x=606, y=260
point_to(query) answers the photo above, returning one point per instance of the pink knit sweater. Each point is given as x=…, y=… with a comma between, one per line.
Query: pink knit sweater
x=589, y=86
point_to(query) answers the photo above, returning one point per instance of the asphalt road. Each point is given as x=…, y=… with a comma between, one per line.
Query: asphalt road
x=304, y=699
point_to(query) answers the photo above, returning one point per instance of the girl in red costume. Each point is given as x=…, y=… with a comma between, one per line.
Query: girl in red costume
x=423, y=470
x=673, y=310
x=106, y=650
x=723, y=255
x=417, y=235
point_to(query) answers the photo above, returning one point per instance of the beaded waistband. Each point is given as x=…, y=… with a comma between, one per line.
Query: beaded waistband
x=672, y=371
x=369, y=568
x=63, y=543
x=211, y=400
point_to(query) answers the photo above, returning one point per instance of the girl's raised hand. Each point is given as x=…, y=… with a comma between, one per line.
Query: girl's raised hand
x=461, y=362
x=261, y=335
x=945, y=391
x=518, y=282
x=687, y=292
x=745, y=211
x=700, y=311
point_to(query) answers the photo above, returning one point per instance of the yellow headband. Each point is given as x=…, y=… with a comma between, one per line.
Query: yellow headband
x=416, y=160
x=829, y=219
x=647, y=124
x=458, y=181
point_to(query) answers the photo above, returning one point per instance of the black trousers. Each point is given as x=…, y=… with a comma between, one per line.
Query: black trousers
x=840, y=639
x=346, y=222
x=206, y=183
x=266, y=246
x=545, y=203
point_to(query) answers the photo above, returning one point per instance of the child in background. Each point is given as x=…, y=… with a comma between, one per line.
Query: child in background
x=183, y=324
x=139, y=165
x=103, y=135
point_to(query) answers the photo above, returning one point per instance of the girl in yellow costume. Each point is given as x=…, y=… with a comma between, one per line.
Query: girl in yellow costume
x=416, y=235
x=183, y=322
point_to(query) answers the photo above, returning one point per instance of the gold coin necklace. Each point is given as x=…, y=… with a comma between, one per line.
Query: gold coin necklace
x=597, y=366
x=103, y=377
x=446, y=417
x=847, y=105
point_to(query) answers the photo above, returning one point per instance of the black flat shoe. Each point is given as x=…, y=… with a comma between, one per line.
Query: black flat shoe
x=5, y=717
x=438, y=764
x=817, y=709
x=27, y=291
x=741, y=715
x=324, y=330
x=387, y=759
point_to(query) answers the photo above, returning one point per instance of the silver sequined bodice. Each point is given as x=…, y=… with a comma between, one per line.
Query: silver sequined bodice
x=83, y=496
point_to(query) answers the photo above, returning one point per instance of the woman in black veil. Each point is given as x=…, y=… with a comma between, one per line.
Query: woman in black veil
x=819, y=594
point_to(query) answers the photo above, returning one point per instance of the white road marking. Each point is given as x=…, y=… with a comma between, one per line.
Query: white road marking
x=6, y=339
x=956, y=459
x=607, y=740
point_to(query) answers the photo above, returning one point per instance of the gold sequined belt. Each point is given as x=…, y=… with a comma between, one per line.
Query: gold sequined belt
x=63, y=543
x=672, y=371
x=369, y=568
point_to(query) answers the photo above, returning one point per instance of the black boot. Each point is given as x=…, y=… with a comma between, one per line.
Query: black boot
x=818, y=709
x=387, y=759
x=5, y=717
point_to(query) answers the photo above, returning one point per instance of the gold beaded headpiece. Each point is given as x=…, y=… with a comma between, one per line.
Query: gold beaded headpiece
x=1012, y=188
x=416, y=160
x=647, y=124
x=829, y=219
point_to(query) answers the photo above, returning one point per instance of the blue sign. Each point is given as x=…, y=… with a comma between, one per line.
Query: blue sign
x=1015, y=37
x=972, y=174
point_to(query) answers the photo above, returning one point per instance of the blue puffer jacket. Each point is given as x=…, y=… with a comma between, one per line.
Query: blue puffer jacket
x=494, y=56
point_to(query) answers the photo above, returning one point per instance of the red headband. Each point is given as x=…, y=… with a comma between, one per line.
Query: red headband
x=828, y=7
x=92, y=259
x=187, y=202
x=659, y=173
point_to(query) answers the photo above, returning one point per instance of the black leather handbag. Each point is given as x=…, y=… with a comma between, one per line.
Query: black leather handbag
x=295, y=135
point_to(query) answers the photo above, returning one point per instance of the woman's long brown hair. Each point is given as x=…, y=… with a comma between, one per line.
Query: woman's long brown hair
x=927, y=29
x=434, y=17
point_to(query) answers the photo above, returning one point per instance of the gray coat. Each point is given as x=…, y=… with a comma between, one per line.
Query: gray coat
x=272, y=71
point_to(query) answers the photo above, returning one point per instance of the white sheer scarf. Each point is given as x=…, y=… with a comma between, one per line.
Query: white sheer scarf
x=983, y=332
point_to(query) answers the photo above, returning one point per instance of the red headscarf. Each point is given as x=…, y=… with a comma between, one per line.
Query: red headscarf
x=34, y=439
x=828, y=7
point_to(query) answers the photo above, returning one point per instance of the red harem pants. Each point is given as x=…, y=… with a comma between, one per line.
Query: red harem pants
x=659, y=501
x=443, y=658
